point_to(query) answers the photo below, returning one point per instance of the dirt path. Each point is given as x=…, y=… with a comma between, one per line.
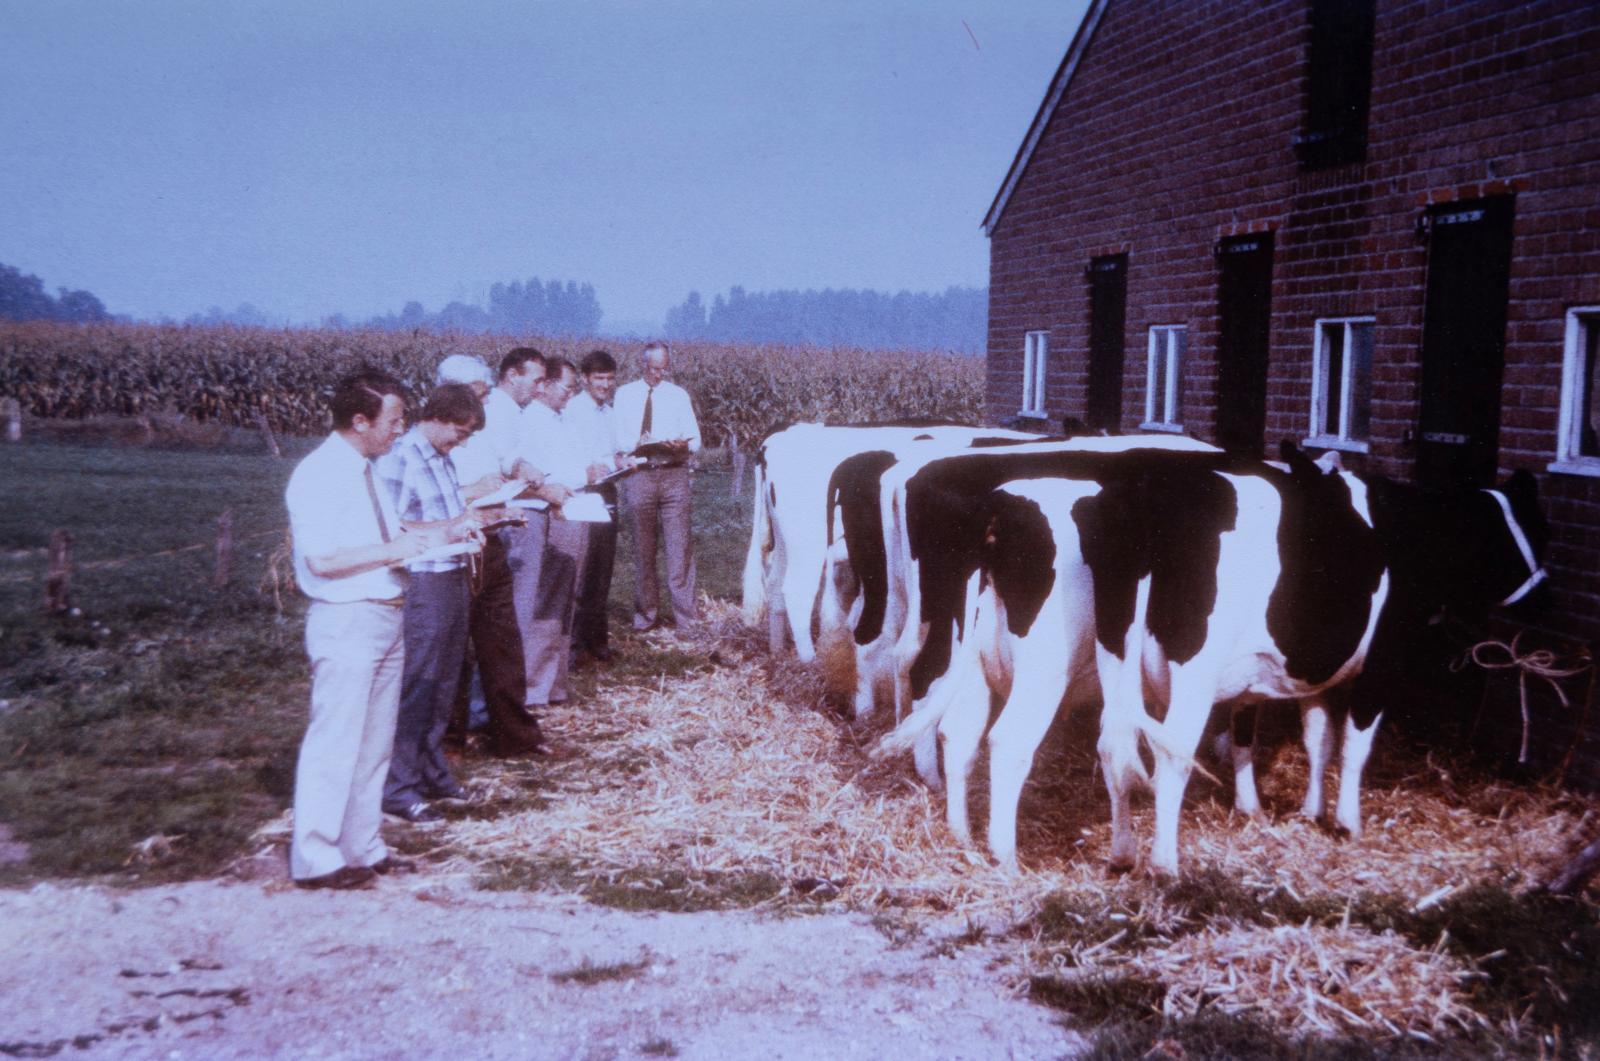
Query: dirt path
x=426, y=966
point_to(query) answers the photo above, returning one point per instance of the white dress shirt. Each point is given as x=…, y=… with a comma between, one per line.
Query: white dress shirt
x=548, y=443
x=671, y=415
x=494, y=448
x=594, y=426
x=330, y=508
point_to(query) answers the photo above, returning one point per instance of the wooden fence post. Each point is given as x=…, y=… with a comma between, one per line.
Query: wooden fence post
x=11, y=412
x=737, y=488
x=58, y=583
x=219, y=577
x=266, y=433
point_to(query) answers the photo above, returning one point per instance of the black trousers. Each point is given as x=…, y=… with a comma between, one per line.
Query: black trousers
x=591, y=629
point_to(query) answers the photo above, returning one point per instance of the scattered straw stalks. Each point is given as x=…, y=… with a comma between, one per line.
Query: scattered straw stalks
x=738, y=769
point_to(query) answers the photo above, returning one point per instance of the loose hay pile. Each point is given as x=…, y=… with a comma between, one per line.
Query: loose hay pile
x=732, y=783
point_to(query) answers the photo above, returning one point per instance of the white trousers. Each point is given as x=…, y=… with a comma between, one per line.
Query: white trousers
x=357, y=652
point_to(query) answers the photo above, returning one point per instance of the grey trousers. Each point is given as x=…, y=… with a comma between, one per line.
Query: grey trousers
x=435, y=612
x=661, y=497
x=545, y=557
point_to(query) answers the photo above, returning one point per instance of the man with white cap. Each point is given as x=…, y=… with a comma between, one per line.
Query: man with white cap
x=483, y=463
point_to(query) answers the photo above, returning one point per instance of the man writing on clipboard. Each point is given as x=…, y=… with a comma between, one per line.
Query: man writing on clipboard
x=657, y=426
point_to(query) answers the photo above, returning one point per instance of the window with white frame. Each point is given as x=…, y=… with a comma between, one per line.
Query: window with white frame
x=1035, y=352
x=1578, y=431
x=1163, y=406
x=1341, y=384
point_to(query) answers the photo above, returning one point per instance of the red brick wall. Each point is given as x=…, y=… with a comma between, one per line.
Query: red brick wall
x=1177, y=129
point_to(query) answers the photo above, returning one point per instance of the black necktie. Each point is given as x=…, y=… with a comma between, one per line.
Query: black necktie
x=377, y=509
x=649, y=411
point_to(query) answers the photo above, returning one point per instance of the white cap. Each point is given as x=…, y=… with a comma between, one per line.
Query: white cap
x=463, y=368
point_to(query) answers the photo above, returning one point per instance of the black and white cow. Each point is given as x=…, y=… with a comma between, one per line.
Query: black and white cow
x=1218, y=581
x=790, y=523
x=1270, y=587
x=933, y=519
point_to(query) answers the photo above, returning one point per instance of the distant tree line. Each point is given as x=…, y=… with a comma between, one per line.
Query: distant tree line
x=23, y=298
x=955, y=320
x=543, y=307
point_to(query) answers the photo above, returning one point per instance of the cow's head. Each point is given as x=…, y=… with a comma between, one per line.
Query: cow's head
x=1517, y=548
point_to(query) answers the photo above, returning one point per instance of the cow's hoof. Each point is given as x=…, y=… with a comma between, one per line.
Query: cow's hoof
x=1121, y=865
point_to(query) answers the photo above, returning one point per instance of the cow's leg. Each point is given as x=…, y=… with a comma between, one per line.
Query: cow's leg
x=777, y=611
x=802, y=578
x=757, y=557
x=960, y=732
x=1241, y=754
x=835, y=648
x=1360, y=728
x=1036, y=691
x=1174, y=742
x=1118, y=746
x=1318, y=740
x=925, y=756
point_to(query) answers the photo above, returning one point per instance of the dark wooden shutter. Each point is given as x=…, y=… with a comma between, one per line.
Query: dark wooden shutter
x=1244, y=321
x=1338, y=84
x=1108, y=307
x=1464, y=341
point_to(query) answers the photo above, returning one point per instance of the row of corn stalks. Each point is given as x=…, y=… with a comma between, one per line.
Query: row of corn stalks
x=236, y=376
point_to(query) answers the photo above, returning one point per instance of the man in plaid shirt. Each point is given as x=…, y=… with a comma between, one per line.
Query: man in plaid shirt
x=421, y=480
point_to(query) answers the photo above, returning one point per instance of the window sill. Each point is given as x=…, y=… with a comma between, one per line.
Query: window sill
x=1166, y=429
x=1347, y=445
x=1037, y=414
x=1589, y=466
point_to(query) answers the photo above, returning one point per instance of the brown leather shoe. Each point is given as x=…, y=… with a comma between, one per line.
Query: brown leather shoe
x=345, y=878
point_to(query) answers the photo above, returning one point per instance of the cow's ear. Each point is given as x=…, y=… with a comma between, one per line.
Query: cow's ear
x=1296, y=459
x=1330, y=462
x=1522, y=487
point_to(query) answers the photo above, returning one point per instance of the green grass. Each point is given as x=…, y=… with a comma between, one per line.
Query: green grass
x=167, y=708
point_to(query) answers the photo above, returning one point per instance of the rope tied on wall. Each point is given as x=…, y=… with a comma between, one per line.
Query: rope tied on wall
x=1491, y=654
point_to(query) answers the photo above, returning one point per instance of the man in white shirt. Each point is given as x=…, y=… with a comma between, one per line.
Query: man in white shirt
x=483, y=463
x=347, y=539
x=548, y=452
x=592, y=418
x=658, y=414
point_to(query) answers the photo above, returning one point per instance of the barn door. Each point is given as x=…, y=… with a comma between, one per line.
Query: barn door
x=1464, y=341
x=1108, y=310
x=1244, y=319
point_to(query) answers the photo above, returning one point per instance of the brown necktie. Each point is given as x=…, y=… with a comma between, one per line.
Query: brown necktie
x=377, y=509
x=649, y=411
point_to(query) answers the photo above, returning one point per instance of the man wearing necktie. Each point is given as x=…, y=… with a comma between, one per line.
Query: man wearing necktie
x=347, y=543
x=657, y=426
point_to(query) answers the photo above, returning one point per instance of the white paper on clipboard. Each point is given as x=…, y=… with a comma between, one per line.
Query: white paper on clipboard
x=534, y=503
x=502, y=496
x=586, y=508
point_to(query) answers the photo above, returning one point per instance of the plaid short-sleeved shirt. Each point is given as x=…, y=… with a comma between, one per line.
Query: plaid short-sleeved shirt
x=422, y=483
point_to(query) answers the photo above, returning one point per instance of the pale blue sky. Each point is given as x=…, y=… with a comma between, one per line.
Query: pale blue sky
x=315, y=157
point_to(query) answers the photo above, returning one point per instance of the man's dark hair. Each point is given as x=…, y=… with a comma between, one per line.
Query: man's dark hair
x=454, y=403
x=515, y=359
x=597, y=361
x=555, y=366
x=361, y=394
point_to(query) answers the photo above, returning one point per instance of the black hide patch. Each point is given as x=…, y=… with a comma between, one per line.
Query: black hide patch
x=1332, y=564
x=853, y=490
x=1163, y=518
x=1020, y=556
x=947, y=516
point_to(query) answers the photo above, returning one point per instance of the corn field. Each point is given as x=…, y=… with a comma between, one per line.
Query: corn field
x=235, y=375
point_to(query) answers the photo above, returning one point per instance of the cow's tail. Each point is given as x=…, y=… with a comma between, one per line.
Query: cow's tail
x=912, y=728
x=755, y=559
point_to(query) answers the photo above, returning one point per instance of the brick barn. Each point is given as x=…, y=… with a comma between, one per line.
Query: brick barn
x=1364, y=225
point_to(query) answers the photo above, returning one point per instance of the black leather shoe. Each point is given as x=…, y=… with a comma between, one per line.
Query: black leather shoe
x=390, y=864
x=418, y=813
x=342, y=879
x=453, y=791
